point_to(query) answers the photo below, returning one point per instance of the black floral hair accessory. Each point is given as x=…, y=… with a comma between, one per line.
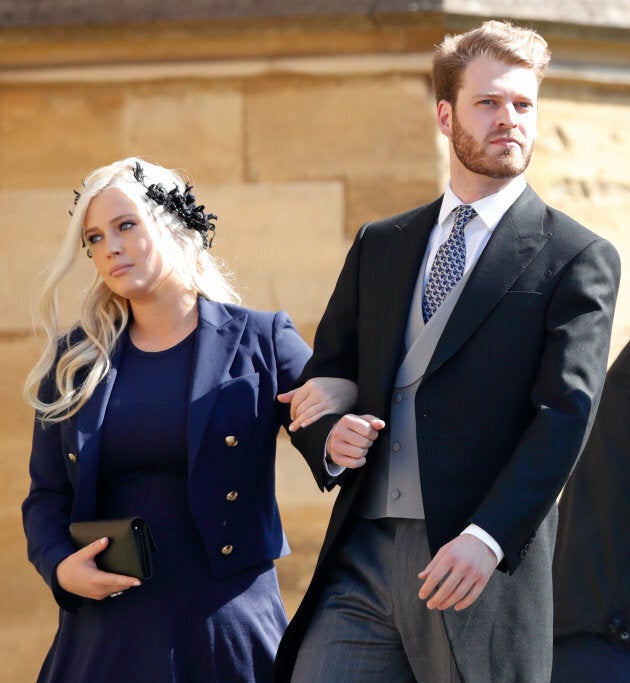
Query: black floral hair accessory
x=182, y=205
x=77, y=196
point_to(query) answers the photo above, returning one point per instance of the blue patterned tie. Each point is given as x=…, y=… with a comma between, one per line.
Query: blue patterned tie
x=448, y=265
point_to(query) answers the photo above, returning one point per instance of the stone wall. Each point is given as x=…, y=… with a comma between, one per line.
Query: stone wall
x=295, y=133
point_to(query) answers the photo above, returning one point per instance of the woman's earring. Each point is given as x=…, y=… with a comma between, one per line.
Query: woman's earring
x=89, y=253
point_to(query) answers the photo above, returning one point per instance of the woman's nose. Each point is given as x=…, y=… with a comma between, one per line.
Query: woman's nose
x=113, y=245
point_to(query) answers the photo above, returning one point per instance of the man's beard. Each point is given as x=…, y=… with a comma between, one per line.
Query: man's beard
x=508, y=164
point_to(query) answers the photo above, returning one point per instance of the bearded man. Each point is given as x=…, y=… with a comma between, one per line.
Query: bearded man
x=477, y=330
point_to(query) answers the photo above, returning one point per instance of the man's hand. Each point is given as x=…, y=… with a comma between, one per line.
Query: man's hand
x=350, y=439
x=458, y=573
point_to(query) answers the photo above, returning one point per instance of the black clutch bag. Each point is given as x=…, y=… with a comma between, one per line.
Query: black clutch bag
x=130, y=548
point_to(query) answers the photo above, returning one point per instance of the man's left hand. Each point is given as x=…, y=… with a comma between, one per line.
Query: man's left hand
x=458, y=573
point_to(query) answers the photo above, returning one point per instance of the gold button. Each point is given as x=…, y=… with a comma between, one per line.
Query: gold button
x=231, y=496
x=231, y=441
x=227, y=549
x=73, y=457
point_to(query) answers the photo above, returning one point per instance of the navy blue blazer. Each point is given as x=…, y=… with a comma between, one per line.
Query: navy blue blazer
x=243, y=359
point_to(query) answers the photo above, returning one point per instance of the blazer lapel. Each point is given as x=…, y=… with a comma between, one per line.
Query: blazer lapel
x=515, y=243
x=89, y=430
x=218, y=338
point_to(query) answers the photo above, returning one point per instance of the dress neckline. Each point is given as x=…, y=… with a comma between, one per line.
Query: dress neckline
x=154, y=354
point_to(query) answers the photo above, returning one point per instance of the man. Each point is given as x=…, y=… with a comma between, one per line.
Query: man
x=591, y=567
x=478, y=375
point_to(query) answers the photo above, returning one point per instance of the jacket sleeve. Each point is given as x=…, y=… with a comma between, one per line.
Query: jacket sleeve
x=565, y=397
x=47, y=508
x=335, y=355
x=291, y=353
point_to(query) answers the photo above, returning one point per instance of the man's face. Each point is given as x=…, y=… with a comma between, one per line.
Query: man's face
x=493, y=123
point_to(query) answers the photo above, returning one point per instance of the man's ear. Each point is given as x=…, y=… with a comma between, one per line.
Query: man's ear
x=445, y=117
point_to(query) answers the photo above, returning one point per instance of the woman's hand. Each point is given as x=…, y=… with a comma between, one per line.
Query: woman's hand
x=317, y=397
x=79, y=574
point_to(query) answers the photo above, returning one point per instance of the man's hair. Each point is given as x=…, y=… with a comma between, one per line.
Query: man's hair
x=497, y=40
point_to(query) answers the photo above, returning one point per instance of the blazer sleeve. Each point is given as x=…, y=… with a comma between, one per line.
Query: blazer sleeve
x=565, y=397
x=47, y=508
x=291, y=353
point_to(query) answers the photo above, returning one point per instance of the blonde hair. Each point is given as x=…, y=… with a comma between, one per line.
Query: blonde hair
x=81, y=361
x=498, y=40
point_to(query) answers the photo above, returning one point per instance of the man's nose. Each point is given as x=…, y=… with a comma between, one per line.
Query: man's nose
x=507, y=116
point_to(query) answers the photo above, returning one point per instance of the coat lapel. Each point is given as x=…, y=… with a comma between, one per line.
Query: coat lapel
x=89, y=431
x=399, y=273
x=218, y=338
x=515, y=243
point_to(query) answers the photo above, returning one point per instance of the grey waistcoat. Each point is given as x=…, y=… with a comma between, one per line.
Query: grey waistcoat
x=394, y=485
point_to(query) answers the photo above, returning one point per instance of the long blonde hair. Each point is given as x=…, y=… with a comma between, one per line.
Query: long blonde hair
x=104, y=314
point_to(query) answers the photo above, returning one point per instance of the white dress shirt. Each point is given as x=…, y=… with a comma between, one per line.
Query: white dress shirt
x=489, y=210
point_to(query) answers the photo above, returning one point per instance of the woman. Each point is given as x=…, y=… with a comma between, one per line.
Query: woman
x=160, y=403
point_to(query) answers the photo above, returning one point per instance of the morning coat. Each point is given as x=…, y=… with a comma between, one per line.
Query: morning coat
x=502, y=412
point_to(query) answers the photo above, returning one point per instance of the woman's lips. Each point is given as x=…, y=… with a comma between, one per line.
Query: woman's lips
x=120, y=269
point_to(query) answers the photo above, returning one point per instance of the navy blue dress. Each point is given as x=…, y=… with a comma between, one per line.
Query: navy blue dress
x=182, y=625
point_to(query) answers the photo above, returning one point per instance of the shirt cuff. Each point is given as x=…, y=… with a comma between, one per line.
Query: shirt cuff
x=331, y=468
x=482, y=535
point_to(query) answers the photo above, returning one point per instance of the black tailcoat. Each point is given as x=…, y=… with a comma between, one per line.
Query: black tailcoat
x=502, y=412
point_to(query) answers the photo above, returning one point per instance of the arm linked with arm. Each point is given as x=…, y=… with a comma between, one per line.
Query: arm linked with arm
x=335, y=354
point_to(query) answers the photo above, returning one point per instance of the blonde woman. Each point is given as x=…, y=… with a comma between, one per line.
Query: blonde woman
x=160, y=403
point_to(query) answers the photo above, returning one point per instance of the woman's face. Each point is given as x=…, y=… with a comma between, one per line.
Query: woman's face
x=127, y=247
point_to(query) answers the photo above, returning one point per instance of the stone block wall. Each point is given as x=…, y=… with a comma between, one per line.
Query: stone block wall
x=294, y=147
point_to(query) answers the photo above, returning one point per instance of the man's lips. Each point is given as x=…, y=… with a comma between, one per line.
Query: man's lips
x=505, y=141
x=119, y=269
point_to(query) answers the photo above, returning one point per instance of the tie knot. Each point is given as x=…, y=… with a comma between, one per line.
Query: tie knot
x=463, y=214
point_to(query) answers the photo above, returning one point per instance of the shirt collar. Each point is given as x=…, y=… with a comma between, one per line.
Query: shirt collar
x=491, y=208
